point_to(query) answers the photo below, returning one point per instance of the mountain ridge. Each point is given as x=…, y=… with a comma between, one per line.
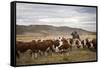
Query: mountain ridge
x=49, y=30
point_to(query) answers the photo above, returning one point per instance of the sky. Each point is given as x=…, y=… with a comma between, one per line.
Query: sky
x=56, y=15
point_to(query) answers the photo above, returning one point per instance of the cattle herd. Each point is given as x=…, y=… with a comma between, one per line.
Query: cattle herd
x=60, y=45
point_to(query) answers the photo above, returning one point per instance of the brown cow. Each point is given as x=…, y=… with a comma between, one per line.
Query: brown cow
x=94, y=43
x=65, y=45
x=45, y=46
x=77, y=42
x=56, y=43
x=83, y=42
x=71, y=41
x=24, y=46
x=88, y=43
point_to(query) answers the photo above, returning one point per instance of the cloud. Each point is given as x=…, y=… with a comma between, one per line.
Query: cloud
x=72, y=16
x=89, y=10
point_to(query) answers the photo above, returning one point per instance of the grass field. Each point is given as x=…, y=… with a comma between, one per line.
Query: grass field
x=76, y=55
x=31, y=37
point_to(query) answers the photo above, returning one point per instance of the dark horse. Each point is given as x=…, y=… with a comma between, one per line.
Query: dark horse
x=75, y=35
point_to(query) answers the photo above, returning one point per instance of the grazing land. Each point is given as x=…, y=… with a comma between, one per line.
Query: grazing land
x=76, y=55
x=30, y=37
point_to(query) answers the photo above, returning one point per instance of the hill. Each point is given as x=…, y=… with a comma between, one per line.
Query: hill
x=48, y=30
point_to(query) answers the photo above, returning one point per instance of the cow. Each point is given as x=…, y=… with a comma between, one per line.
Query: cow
x=71, y=41
x=37, y=47
x=83, y=42
x=56, y=43
x=77, y=43
x=94, y=43
x=45, y=46
x=65, y=45
x=88, y=43
x=22, y=47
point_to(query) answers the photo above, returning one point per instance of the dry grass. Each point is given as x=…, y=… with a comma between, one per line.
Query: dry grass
x=31, y=37
x=75, y=55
